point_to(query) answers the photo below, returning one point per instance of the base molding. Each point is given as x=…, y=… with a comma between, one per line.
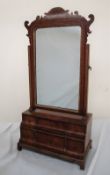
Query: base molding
x=80, y=162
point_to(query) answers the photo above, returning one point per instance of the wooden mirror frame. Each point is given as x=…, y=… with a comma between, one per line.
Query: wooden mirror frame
x=58, y=17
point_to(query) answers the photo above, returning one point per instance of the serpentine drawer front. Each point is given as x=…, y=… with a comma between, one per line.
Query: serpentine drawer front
x=43, y=122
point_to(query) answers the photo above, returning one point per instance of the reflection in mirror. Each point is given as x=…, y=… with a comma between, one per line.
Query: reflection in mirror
x=58, y=66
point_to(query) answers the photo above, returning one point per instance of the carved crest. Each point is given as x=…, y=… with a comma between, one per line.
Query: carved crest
x=58, y=16
x=56, y=10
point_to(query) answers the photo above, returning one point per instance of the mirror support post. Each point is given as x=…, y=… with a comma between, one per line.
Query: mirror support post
x=31, y=92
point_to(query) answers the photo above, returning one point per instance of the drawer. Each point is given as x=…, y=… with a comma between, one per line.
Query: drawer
x=42, y=137
x=29, y=120
x=58, y=125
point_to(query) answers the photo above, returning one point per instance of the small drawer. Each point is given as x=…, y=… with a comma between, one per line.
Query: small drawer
x=29, y=120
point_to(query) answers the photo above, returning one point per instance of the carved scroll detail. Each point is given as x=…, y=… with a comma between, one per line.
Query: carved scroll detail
x=26, y=24
x=91, y=17
x=76, y=12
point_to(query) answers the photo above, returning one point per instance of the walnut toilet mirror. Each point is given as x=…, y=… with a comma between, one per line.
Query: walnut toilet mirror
x=57, y=122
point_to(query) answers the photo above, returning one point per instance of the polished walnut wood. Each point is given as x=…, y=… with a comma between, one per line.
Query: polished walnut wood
x=60, y=132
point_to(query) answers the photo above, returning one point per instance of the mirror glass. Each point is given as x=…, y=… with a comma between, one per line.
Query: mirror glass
x=58, y=66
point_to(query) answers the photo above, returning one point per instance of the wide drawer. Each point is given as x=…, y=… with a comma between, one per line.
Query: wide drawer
x=58, y=125
x=69, y=145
